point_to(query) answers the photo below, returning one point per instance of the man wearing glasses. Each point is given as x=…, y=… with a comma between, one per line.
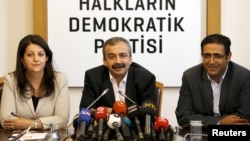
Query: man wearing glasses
x=217, y=91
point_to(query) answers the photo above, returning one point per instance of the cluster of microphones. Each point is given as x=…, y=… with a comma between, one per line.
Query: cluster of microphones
x=133, y=123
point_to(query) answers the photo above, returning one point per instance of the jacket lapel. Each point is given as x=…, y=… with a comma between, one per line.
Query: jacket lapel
x=207, y=90
x=107, y=84
x=224, y=94
x=130, y=88
x=31, y=107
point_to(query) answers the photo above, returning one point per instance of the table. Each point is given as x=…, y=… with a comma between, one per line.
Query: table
x=180, y=136
x=4, y=134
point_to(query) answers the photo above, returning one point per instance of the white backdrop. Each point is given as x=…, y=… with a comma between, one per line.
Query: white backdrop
x=165, y=37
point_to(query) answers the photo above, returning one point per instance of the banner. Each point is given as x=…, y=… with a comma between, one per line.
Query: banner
x=165, y=35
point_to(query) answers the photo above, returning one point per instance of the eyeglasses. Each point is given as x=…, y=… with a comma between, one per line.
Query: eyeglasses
x=214, y=56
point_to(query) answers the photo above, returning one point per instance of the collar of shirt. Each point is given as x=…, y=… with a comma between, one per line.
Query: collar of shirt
x=222, y=78
x=120, y=87
x=216, y=87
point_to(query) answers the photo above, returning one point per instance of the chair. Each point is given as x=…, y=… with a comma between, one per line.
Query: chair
x=1, y=89
x=159, y=92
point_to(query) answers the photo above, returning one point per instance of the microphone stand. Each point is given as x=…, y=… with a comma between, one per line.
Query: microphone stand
x=153, y=132
x=103, y=93
x=140, y=134
x=122, y=94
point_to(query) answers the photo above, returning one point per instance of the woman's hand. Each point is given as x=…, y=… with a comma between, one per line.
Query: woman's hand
x=17, y=123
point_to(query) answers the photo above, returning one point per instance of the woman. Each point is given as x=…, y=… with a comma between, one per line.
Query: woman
x=34, y=93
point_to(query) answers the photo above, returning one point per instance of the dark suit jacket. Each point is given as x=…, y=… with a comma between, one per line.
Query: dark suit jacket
x=140, y=86
x=196, y=96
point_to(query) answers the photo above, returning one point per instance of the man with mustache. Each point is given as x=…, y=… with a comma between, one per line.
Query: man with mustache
x=118, y=73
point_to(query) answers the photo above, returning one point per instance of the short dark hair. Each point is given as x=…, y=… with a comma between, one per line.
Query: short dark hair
x=113, y=41
x=219, y=39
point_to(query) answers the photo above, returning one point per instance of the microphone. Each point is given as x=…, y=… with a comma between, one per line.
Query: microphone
x=127, y=121
x=83, y=120
x=106, y=134
x=149, y=110
x=103, y=93
x=133, y=113
x=122, y=94
x=154, y=136
x=114, y=122
x=131, y=127
x=93, y=136
x=133, y=132
x=161, y=126
x=90, y=129
x=101, y=115
x=169, y=134
x=120, y=108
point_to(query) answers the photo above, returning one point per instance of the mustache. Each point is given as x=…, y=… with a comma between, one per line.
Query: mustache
x=118, y=65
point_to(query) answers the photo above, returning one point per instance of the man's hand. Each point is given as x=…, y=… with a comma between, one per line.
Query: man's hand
x=233, y=119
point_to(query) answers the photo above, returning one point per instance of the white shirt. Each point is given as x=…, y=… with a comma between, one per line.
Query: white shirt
x=216, y=87
x=121, y=87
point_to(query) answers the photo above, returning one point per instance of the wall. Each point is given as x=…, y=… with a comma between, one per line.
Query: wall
x=16, y=22
x=16, y=17
x=235, y=23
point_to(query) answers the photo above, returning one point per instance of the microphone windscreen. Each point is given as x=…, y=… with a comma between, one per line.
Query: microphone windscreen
x=114, y=120
x=149, y=107
x=161, y=122
x=84, y=116
x=127, y=121
x=133, y=111
x=120, y=107
x=101, y=113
